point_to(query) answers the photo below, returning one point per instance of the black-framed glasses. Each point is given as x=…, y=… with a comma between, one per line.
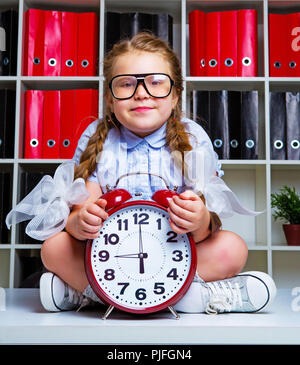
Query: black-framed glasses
x=157, y=85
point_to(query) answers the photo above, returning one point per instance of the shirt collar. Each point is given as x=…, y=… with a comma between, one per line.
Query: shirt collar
x=156, y=139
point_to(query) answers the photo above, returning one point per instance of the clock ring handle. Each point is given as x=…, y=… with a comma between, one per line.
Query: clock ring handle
x=141, y=173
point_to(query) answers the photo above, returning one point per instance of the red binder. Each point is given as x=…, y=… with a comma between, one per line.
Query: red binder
x=51, y=125
x=34, y=43
x=213, y=43
x=86, y=110
x=34, y=105
x=247, y=42
x=69, y=43
x=293, y=44
x=278, y=47
x=88, y=44
x=52, y=45
x=67, y=121
x=196, y=42
x=228, y=36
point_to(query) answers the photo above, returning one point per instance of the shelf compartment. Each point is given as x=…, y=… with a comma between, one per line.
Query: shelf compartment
x=282, y=174
x=248, y=182
x=213, y=6
x=286, y=268
x=4, y=268
x=28, y=268
x=257, y=261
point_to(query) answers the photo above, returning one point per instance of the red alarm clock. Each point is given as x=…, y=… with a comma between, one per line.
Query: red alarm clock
x=138, y=264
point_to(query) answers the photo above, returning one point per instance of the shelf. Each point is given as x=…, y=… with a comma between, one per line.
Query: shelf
x=253, y=181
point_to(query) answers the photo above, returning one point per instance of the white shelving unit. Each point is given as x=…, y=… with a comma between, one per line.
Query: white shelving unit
x=252, y=180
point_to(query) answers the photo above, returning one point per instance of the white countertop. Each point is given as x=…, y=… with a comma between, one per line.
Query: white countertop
x=24, y=321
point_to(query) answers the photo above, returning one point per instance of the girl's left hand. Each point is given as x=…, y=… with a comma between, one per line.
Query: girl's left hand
x=187, y=213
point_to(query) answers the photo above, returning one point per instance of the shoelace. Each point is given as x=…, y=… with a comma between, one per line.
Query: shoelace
x=223, y=297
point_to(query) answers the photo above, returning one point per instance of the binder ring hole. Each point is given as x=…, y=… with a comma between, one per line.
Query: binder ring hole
x=36, y=61
x=295, y=144
x=69, y=63
x=218, y=143
x=52, y=62
x=250, y=143
x=213, y=62
x=84, y=63
x=34, y=142
x=228, y=62
x=50, y=143
x=246, y=61
x=292, y=64
x=66, y=143
x=278, y=144
x=234, y=143
x=277, y=64
x=6, y=61
x=202, y=62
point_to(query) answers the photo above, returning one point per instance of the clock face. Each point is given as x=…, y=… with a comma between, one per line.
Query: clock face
x=138, y=263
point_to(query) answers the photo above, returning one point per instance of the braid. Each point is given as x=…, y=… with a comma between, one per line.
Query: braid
x=177, y=138
x=88, y=159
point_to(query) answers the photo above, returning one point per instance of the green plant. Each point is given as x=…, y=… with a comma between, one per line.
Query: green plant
x=287, y=205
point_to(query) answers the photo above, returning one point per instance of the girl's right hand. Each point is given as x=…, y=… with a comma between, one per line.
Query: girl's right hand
x=88, y=220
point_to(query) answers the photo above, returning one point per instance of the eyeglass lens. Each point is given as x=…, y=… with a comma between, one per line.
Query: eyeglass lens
x=157, y=85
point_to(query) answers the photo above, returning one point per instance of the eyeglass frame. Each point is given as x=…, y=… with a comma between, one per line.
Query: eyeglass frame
x=141, y=79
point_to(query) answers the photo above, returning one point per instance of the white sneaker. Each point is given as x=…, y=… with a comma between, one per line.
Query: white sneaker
x=248, y=292
x=56, y=295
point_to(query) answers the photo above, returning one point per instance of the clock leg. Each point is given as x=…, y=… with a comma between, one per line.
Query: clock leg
x=173, y=311
x=109, y=310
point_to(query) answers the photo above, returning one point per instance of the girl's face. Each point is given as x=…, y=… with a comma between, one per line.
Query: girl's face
x=142, y=114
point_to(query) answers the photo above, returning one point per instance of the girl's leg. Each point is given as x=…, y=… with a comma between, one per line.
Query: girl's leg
x=222, y=255
x=64, y=256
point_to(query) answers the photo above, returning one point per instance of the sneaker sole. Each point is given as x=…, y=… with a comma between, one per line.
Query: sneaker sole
x=269, y=285
x=47, y=301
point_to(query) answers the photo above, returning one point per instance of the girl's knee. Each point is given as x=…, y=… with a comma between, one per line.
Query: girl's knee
x=52, y=249
x=233, y=253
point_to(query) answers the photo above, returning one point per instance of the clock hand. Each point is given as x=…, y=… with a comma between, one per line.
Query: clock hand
x=133, y=255
x=142, y=267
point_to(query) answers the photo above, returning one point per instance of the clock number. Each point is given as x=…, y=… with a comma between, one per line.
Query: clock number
x=103, y=255
x=124, y=287
x=178, y=255
x=173, y=274
x=109, y=274
x=120, y=221
x=172, y=237
x=113, y=239
x=144, y=217
x=159, y=288
x=140, y=294
x=158, y=223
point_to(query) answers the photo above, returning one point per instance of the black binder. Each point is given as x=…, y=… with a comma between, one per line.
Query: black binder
x=293, y=125
x=9, y=36
x=219, y=127
x=125, y=25
x=7, y=122
x=234, y=121
x=277, y=125
x=28, y=181
x=200, y=108
x=5, y=205
x=249, y=125
x=112, y=29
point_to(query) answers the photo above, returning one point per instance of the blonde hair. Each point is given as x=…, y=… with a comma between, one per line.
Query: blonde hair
x=176, y=137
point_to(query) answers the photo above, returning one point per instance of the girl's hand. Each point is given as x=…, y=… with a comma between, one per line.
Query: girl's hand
x=189, y=214
x=89, y=220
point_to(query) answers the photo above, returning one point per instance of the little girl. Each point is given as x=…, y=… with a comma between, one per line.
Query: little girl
x=143, y=131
